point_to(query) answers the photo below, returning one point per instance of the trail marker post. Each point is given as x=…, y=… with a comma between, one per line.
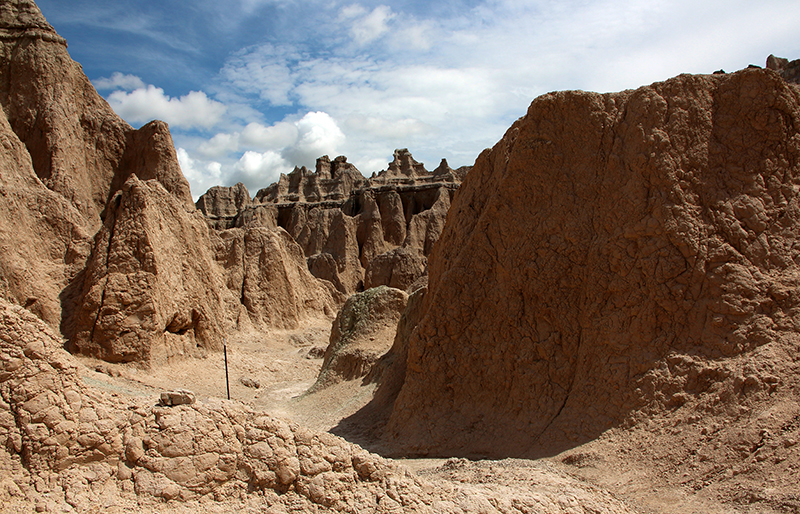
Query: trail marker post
x=225, y=353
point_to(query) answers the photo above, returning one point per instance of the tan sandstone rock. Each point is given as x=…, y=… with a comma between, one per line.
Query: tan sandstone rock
x=79, y=147
x=347, y=224
x=152, y=289
x=612, y=256
x=83, y=447
x=362, y=332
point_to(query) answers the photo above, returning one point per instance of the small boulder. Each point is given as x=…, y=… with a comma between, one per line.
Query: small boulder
x=177, y=397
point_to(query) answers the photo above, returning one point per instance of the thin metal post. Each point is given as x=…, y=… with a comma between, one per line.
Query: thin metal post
x=225, y=352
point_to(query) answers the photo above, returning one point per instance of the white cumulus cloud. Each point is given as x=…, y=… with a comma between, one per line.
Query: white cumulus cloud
x=118, y=80
x=367, y=26
x=189, y=111
x=259, y=169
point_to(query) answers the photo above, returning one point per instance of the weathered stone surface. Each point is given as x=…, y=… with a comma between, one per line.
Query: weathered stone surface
x=612, y=255
x=177, y=397
x=398, y=268
x=83, y=447
x=79, y=147
x=152, y=289
x=789, y=71
x=362, y=332
x=222, y=204
x=43, y=239
x=343, y=222
x=64, y=154
x=266, y=271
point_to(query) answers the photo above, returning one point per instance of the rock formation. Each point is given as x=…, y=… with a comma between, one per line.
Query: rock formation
x=67, y=446
x=790, y=71
x=151, y=284
x=362, y=332
x=613, y=256
x=265, y=269
x=65, y=153
x=355, y=232
x=79, y=147
x=151, y=289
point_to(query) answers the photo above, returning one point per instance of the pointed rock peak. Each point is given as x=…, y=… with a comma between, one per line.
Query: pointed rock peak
x=404, y=165
x=23, y=18
x=443, y=168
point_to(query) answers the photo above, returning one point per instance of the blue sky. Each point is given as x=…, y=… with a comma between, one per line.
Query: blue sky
x=252, y=88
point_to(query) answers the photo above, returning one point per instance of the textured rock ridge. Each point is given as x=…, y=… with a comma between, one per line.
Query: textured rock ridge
x=612, y=256
x=65, y=153
x=151, y=284
x=355, y=232
x=68, y=446
x=79, y=147
x=43, y=238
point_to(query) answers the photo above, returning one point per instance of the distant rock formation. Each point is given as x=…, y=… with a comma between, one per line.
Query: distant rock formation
x=355, y=232
x=614, y=256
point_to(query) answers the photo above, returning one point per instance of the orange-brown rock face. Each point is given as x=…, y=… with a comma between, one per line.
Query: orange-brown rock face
x=355, y=232
x=43, y=241
x=79, y=147
x=612, y=255
x=151, y=289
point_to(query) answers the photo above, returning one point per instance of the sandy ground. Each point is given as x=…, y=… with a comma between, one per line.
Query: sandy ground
x=285, y=363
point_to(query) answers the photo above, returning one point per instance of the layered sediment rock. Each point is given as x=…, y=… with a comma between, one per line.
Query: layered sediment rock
x=348, y=225
x=150, y=284
x=79, y=147
x=612, y=256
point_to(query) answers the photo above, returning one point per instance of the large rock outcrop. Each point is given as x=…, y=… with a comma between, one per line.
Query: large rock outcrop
x=362, y=333
x=355, y=232
x=65, y=153
x=151, y=284
x=265, y=269
x=151, y=289
x=43, y=238
x=79, y=147
x=614, y=255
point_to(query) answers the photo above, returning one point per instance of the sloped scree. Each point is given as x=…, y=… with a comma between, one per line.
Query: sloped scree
x=613, y=256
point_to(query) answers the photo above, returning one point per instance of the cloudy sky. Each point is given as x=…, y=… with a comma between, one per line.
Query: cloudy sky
x=251, y=88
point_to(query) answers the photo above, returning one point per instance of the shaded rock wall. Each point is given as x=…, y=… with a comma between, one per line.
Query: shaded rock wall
x=612, y=255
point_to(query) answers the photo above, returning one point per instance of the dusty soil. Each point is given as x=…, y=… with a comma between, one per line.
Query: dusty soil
x=634, y=466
